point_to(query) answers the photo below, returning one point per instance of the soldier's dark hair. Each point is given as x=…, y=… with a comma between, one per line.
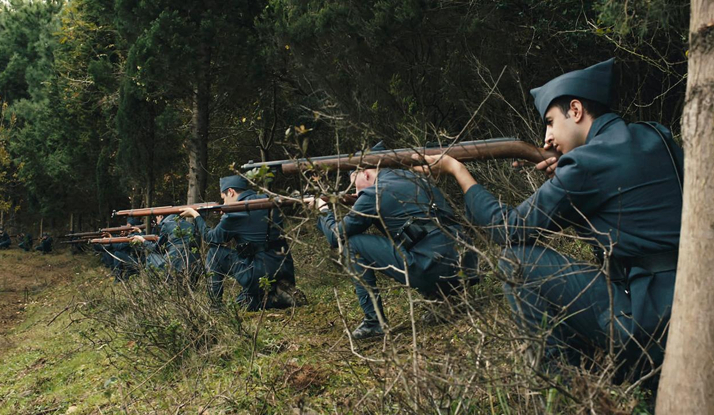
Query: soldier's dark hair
x=594, y=108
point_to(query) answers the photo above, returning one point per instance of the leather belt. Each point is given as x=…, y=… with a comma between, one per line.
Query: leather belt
x=660, y=262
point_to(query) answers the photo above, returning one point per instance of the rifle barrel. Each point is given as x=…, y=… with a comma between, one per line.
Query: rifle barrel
x=121, y=239
x=95, y=234
x=242, y=206
x=162, y=210
x=77, y=241
x=122, y=228
x=267, y=203
x=83, y=234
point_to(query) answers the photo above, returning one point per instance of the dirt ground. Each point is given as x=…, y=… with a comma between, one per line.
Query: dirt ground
x=24, y=276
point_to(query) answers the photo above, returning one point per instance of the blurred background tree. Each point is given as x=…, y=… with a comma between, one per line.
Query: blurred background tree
x=125, y=102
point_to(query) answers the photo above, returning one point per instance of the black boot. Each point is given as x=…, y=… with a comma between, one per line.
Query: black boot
x=368, y=328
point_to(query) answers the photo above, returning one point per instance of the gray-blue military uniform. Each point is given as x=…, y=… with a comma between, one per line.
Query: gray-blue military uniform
x=5, y=240
x=176, y=251
x=420, y=229
x=126, y=258
x=261, y=250
x=104, y=256
x=621, y=191
x=45, y=244
x=26, y=243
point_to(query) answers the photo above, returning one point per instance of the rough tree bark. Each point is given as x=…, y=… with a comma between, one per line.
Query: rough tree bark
x=198, y=143
x=687, y=383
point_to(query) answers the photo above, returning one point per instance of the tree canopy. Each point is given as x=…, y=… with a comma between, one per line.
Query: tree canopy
x=117, y=103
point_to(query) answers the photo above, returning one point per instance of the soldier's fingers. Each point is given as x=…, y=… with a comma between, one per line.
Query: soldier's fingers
x=420, y=157
x=547, y=163
x=421, y=169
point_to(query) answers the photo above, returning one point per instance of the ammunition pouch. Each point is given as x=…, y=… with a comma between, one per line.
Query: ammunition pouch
x=413, y=231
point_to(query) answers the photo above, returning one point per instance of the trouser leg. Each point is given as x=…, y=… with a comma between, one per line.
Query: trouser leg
x=370, y=252
x=555, y=294
x=218, y=266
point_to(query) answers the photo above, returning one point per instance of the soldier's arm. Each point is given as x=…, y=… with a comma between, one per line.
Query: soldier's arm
x=357, y=221
x=223, y=232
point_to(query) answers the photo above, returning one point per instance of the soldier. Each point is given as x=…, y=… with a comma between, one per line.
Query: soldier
x=418, y=249
x=5, y=240
x=176, y=251
x=125, y=257
x=619, y=186
x=45, y=243
x=261, y=251
x=76, y=248
x=26, y=243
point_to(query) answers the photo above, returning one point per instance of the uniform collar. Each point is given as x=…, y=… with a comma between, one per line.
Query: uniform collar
x=244, y=194
x=600, y=123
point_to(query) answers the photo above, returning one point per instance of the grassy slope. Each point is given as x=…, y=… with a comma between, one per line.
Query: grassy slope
x=302, y=360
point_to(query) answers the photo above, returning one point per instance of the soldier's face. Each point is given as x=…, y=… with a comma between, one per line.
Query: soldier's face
x=564, y=133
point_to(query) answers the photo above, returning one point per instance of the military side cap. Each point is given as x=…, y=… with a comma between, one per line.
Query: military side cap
x=378, y=147
x=134, y=221
x=233, y=182
x=593, y=83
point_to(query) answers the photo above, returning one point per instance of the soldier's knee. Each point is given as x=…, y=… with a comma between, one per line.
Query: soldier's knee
x=509, y=262
x=516, y=265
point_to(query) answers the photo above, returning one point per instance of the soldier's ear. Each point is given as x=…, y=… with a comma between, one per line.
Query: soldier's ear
x=576, y=109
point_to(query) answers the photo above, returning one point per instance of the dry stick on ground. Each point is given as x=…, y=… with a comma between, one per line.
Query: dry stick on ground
x=347, y=331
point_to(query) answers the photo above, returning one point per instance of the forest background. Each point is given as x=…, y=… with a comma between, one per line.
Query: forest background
x=112, y=104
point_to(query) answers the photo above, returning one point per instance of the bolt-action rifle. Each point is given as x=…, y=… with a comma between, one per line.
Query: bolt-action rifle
x=162, y=210
x=241, y=206
x=496, y=148
x=102, y=231
x=122, y=239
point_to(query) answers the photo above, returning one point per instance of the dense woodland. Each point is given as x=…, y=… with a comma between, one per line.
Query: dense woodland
x=115, y=104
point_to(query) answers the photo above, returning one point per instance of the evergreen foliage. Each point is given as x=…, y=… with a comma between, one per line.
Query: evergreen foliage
x=120, y=99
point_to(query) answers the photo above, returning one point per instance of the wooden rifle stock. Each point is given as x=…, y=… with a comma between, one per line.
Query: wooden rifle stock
x=497, y=148
x=122, y=239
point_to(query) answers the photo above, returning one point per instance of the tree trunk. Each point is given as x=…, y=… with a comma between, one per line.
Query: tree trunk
x=687, y=383
x=148, y=196
x=198, y=144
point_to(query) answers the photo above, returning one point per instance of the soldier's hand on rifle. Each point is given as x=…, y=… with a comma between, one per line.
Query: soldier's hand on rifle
x=547, y=166
x=186, y=212
x=437, y=164
x=319, y=204
x=446, y=164
x=137, y=238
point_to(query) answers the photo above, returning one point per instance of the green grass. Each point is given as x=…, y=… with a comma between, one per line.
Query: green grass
x=302, y=360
